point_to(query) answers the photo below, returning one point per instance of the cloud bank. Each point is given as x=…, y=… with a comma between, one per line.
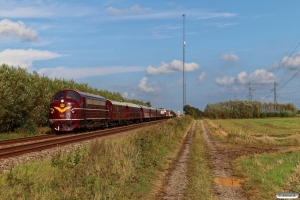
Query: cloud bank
x=258, y=76
x=25, y=58
x=172, y=67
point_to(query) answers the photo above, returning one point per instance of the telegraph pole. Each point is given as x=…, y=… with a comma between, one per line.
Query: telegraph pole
x=184, y=85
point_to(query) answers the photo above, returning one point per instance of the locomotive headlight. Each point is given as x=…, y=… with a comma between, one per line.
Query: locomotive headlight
x=51, y=110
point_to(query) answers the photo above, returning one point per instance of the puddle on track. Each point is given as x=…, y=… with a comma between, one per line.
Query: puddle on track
x=230, y=182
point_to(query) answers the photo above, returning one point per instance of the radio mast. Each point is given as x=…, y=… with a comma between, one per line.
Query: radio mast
x=184, y=84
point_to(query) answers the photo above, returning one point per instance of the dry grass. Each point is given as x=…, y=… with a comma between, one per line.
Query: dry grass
x=118, y=168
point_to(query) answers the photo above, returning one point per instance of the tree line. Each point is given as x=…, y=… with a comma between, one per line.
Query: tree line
x=248, y=109
x=192, y=111
x=25, y=97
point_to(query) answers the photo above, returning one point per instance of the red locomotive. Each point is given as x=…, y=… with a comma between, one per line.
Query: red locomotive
x=72, y=109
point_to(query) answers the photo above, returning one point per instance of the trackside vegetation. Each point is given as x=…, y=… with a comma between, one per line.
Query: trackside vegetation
x=129, y=167
x=200, y=177
x=25, y=98
x=248, y=109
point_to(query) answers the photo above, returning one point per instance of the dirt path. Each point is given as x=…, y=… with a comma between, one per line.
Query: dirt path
x=176, y=181
x=227, y=187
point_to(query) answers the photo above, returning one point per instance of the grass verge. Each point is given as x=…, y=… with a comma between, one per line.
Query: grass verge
x=200, y=179
x=119, y=168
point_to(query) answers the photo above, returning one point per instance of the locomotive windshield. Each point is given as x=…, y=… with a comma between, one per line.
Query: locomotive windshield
x=59, y=95
x=73, y=95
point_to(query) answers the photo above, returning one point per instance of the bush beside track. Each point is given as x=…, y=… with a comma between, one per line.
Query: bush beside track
x=25, y=98
x=131, y=167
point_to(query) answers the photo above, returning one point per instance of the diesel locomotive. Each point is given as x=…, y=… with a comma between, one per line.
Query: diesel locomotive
x=71, y=109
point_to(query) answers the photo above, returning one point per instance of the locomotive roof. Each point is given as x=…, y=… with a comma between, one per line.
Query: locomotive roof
x=118, y=102
x=133, y=105
x=91, y=96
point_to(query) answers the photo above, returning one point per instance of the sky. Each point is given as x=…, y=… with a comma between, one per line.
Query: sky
x=235, y=50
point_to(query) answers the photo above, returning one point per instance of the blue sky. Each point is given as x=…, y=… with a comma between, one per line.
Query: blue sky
x=136, y=47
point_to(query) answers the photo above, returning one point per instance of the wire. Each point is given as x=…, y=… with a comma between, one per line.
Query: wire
x=285, y=60
x=290, y=92
x=289, y=79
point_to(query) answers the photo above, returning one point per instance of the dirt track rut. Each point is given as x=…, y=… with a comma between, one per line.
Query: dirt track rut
x=220, y=164
x=177, y=181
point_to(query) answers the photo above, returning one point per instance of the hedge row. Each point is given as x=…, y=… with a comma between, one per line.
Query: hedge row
x=247, y=109
x=25, y=97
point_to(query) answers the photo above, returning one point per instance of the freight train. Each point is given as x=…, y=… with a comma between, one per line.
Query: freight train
x=74, y=110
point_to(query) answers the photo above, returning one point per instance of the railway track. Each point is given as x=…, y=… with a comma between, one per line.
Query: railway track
x=39, y=143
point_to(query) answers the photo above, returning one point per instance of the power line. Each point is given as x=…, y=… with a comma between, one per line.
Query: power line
x=285, y=59
x=291, y=92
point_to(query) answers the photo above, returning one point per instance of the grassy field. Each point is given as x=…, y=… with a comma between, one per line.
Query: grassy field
x=267, y=131
x=265, y=174
x=131, y=167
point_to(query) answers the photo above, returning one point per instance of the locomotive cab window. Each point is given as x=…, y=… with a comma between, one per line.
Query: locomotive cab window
x=58, y=96
x=73, y=95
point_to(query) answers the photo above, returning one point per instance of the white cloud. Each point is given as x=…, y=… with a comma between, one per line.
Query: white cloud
x=231, y=57
x=174, y=66
x=17, y=29
x=24, y=58
x=136, y=9
x=148, y=88
x=201, y=77
x=258, y=76
x=225, y=80
x=71, y=72
x=292, y=62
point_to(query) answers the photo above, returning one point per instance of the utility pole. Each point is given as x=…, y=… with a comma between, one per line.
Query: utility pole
x=184, y=84
x=275, y=95
x=250, y=93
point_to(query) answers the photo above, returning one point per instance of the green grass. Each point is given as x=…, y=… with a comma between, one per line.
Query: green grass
x=130, y=167
x=267, y=126
x=200, y=178
x=268, y=174
x=268, y=131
